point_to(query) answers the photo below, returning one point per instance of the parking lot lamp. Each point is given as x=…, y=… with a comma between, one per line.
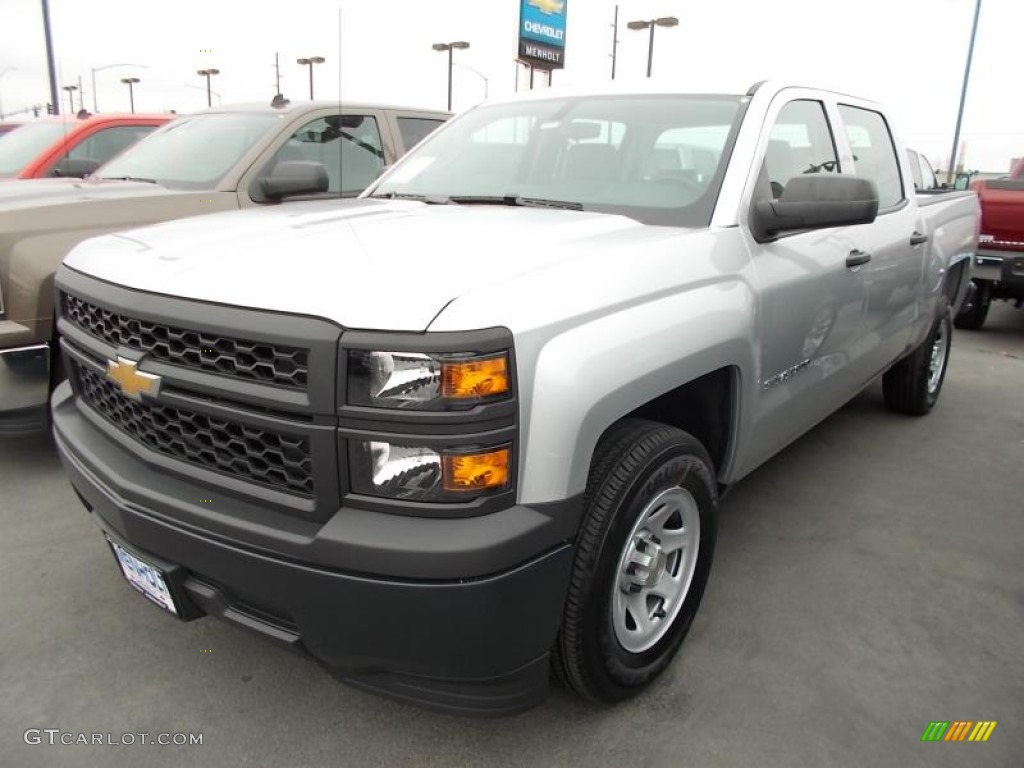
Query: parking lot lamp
x=130, y=82
x=309, y=62
x=461, y=45
x=208, y=73
x=664, y=21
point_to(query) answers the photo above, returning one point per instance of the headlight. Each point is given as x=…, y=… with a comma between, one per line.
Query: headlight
x=425, y=381
x=418, y=473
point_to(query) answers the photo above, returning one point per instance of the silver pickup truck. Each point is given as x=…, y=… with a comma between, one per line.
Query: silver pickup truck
x=474, y=426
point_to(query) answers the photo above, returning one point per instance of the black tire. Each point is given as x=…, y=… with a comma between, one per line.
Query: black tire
x=975, y=309
x=908, y=386
x=635, y=462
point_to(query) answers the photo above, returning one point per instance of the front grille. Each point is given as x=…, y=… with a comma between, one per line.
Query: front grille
x=254, y=454
x=269, y=363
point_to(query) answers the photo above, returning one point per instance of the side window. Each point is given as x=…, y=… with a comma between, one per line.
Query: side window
x=915, y=169
x=800, y=142
x=348, y=146
x=416, y=129
x=874, y=153
x=103, y=145
x=928, y=179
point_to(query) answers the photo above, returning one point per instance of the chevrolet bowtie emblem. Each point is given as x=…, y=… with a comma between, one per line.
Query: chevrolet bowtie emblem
x=133, y=383
x=548, y=6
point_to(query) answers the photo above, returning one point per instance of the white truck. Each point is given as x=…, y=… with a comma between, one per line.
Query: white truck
x=475, y=425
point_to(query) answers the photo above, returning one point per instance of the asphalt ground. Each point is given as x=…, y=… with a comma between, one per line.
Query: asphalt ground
x=868, y=580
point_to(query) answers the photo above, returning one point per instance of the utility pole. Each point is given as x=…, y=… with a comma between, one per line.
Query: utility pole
x=615, y=40
x=963, y=96
x=49, y=58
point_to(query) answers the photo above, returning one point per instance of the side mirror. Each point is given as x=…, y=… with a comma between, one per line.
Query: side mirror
x=77, y=168
x=816, y=201
x=295, y=177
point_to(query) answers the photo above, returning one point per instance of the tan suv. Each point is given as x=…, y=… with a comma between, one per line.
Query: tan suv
x=222, y=159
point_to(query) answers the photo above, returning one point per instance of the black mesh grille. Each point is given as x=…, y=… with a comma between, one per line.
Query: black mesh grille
x=274, y=459
x=269, y=363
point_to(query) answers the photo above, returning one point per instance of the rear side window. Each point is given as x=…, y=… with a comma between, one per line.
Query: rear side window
x=928, y=179
x=416, y=129
x=874, y=154
x=800, y=142
x=915, y=169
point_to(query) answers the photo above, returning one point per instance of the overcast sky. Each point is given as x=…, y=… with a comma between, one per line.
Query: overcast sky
x=908, y=54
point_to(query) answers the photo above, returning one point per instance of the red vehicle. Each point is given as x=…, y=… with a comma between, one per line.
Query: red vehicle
x=67, y=146
x=999, y=264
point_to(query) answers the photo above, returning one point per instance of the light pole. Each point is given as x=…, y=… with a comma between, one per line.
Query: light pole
x=478, y=73
x=208, y=73
x=2, y=73
x=130, y=82
x=461, y=45
x=309, y=62
x=664, y=21
x=71, y=97
x=95, y=106
x=963, y=96
x=615, y=40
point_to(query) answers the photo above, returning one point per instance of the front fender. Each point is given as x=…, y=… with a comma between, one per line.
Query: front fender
x=588, y=377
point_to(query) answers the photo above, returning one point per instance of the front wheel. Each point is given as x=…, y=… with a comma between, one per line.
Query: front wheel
x=912, y=386
x=642, y=560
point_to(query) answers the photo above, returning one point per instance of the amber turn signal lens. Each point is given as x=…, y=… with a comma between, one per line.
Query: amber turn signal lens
x=475, y=378
x=476, y=471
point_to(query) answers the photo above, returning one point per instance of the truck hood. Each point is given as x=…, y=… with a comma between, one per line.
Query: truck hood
x=388, y=265
x=22, y=194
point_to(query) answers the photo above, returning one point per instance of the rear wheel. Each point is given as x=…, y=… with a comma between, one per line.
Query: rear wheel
x=642, y=559
x=975, y=310
x=912, y=386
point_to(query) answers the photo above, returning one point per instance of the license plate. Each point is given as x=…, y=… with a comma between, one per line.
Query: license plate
x=144, y=577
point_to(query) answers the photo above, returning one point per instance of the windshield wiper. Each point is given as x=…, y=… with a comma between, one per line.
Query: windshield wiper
x=428, y=199
x=514, y=200
x=127, y=178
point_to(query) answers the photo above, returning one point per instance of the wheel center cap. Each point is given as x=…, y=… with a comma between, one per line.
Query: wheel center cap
x=646, y=564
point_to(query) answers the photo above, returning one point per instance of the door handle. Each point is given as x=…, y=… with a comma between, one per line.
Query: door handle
x=857, y=258
x=917, y=238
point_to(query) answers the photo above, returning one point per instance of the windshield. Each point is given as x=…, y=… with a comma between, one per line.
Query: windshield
x=193, y=152
x=658, y=159
x=19, y=147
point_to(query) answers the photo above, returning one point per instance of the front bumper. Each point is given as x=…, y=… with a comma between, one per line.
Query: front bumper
x=24, y=389
x=476, y=644
x=1003, y=267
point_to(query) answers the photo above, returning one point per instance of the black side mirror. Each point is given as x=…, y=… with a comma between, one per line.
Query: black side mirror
x=816, y=201
x=295, y=177
x=77, y=168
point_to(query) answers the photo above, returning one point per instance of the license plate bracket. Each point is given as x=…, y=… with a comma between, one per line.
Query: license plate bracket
x=152, y=582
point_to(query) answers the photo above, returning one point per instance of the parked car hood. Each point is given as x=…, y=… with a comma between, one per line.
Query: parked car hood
x=31, y=193
x=363, y=264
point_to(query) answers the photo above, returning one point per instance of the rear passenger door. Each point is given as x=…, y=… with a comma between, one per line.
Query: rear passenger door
x=895, y=271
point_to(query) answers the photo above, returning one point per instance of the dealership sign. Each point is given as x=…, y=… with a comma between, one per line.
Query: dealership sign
x=542, y=33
